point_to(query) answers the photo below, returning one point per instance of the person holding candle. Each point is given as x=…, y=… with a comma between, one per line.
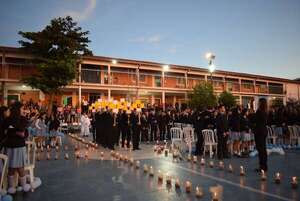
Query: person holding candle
x=260, y=133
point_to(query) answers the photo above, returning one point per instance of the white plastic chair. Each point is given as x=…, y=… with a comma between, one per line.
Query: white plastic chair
x=210, y=141
x=31, y=152
x=3, y=159
x=294, y=134
x=176, y=136
x=189, y=137
x=271, y=138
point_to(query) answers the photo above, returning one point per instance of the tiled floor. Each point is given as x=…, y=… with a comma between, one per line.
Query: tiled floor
x=95, y=179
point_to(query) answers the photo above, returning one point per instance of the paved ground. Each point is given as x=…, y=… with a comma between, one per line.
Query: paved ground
x=106, y=180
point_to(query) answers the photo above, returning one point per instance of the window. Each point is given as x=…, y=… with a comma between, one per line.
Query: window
x=157, y=81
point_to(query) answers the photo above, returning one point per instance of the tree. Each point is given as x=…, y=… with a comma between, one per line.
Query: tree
x=57, y=49
x=202, y=97
x=227, y=99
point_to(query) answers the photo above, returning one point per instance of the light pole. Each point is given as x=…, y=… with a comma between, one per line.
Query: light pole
x=211, y=67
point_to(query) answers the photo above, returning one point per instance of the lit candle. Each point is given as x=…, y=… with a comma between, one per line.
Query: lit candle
x=160, y=176
x=76, y=147
x=188, y=186
x=177, y=183
x=215, y=196
x=67, y=156
x=168, y=179
x=87, y=146
x=195, y=159
x=166, y=152
x=242, y=171
x=277, y=178
x=56, y=156
x=86, y=154
x=202, y=162
x=155, y=148
x=66, y=147
x=211, y=164
x=263, y=175
x=77, y=154
x=101, y=154
x=151, y=171
x=230, y=168
x=294, y=182
x=146, y=168
x=112, y=153
x=157, y=141
x=56, y=148
x=48, y=148
x=137, y=164
x=199, y=192
x=125, y=159
x=42, y=149
x=121, y=157
x=38, y=156
x=221, y=165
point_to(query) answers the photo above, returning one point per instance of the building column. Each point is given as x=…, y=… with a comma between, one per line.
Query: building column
x=174, y=101
x=108, y=94
x=79, y=88
x=152, y=99
x=137, y=96
x=74, y=99
x=163, y=79
x=163, y=98
x=186, y=80
x=108, y=74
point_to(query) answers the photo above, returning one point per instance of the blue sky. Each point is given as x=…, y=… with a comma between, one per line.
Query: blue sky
x=252, y=36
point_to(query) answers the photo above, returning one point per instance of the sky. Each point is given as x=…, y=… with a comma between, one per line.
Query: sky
x=250, y=36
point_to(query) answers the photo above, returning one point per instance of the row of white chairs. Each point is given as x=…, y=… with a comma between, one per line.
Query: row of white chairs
x=275, y=135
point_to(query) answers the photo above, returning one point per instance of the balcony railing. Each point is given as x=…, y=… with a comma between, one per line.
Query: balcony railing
x=16, y=71
x=247, y=87
x=261, y=89
x=275, y=89
x=232, y=86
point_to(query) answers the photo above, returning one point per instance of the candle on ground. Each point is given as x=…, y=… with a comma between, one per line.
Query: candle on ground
x=277, y=178
x=199, y=192
x=294, y=182
x=177, y=183
x=188, y=186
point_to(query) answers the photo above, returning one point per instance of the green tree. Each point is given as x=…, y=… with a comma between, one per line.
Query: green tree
x=57, y=49
x=227, y=99
x=202, y=97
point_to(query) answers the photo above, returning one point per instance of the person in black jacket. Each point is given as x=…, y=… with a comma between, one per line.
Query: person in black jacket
x=136, y=128
x=15, y=127
x=222, y=132
x=234, y=127
x=125, y=128
x=245, y=132
x=4, y=113
x=198, y=120
x=260, y=133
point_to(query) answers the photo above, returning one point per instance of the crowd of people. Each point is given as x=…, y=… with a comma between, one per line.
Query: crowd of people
x=239, y=130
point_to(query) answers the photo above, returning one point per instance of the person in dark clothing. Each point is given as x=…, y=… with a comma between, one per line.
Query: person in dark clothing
x=162, y=123
x=153, y=126
x=93, y=124
x=98, y=121
x=109, y=129
x=144, y=127
x=125, y=128
x=234, y=127
x=135, y=126
x=15, y=127
x=4, y=113
x=198, y=120
x=260, y=133
x=222, y=132
x=118, y=127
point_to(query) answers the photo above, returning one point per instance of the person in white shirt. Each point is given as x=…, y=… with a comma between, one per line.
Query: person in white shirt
x=85, y=125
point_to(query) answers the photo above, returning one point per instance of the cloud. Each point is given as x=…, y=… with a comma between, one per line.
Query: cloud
x=154, y=39
x=83, y=14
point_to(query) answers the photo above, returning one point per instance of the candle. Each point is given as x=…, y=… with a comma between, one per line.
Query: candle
x=48, y=156
x=151, y=171
x=146, y=168
x=66, y=147
x=86, y=154
x=195, y=159
x=157, y=141
x=277, y=178
x=202, y=162
x=177, y=183
x=137, y=164
x=112, y=153
x=211, y=164
x=125, y=159
x=294, y=182
x=168, y=179
x=221, y=165
x=56, y=156
x=77, y=154
x=215, y=196
x=121, y=157
x=188, y=186
x=189, y=157
x=42, y=149
x=38, y=156
x=230, y=168
x=166, y=152
x=101, y=154
x=56, y=148
x=76, y=147
x=155, y=148
x=263, y=175
x=131, y=161
x=242, y=171
x=199, y=192
x=159, y=176
x=67, y=156
x=48, y=148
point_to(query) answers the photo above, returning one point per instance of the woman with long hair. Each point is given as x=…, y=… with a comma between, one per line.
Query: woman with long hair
x=15, y=127
x=261, y=132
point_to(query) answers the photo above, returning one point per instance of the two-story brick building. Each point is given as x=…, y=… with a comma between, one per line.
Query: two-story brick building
x=124, y=78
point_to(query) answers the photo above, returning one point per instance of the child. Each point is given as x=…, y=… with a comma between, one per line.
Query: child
x=85, y=125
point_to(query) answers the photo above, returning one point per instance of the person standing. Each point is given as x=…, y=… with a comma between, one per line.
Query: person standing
x=260, y=133
x=98, y=125
x=85, y=125
x=15, y=127
x=125, y=123
x=199, y=126
x=135, y=126
x=222, y=132
x=153, y=125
